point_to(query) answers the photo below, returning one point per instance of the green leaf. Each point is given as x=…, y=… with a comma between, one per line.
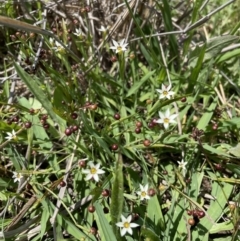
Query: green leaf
x=207, y=116
x=155, y=213
x=106, y=232
x=149, y=234
x=117, y=196
x=219, y=227
x=39, y=94
x=138, y=84
x=235, y=150
x=44, y=220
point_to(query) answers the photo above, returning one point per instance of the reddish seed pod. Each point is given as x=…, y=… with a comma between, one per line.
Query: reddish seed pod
x=105, y=193
x=114, y=147
x=151, y=125
x=82, y=163
x=93, y=231
x=113, y=59
x=32, y=111
x=117, y=116
x=146, y=142
x=138, y=130
x=28, y=124
x=195, y=213
x=68, y=132
x=16, y=118
x=62, y=184
x=190, y=212
x=188, y=180
x=135, y=217
x=139, y=124
x=191, y=221
x=164, y=172
x=43, y=122
x=201, y=214
x=46, y=126
x=215, y=126
x=151, y=192
x=74, y=115
x=44, y=117
x=75, y=128
x=93, y=107
x=91, y=209
x=184, y=99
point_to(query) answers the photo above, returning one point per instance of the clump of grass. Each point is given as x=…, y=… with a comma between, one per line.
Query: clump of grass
x=120, y=121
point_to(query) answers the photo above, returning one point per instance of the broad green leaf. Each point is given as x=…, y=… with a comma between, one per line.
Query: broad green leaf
x=105, y=230
x=155, y=213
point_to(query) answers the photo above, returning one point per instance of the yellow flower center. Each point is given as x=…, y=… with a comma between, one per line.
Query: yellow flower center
x=126, y=225
x=119, y=49
x=165, y=92
x=166, y=120
x=93, y=170
x=143, y=194
x=18, y=175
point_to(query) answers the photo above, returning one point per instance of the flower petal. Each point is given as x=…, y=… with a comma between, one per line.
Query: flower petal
x=120, y=224
x=134, y=225
x=123, y=231
x=95, y=177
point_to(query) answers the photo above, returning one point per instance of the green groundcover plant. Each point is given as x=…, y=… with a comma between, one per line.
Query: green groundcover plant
x=120, y=120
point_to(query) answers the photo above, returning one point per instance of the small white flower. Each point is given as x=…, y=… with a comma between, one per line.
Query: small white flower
x=79, y=33
x=119, y=47
x=165, y=92
x=17, y=176
x=11, y=136
x=166, y=118
x=51, y=41
x=182, y=164
x=126, y=225
x=58, y=47
x=144, y=192
x=102, y=29
x=93, y=172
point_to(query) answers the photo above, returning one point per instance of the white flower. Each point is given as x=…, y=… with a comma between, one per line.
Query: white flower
x=119, y=47
x=182, y=164
x=102, y=29
x=58, y=47
x=93, y=172
x=79, y=33
x=51, y=41
x=166, y=118
x=144, y=192
x=126, y=225
x=165, y=92
x=17, y=176
x=11, y=136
